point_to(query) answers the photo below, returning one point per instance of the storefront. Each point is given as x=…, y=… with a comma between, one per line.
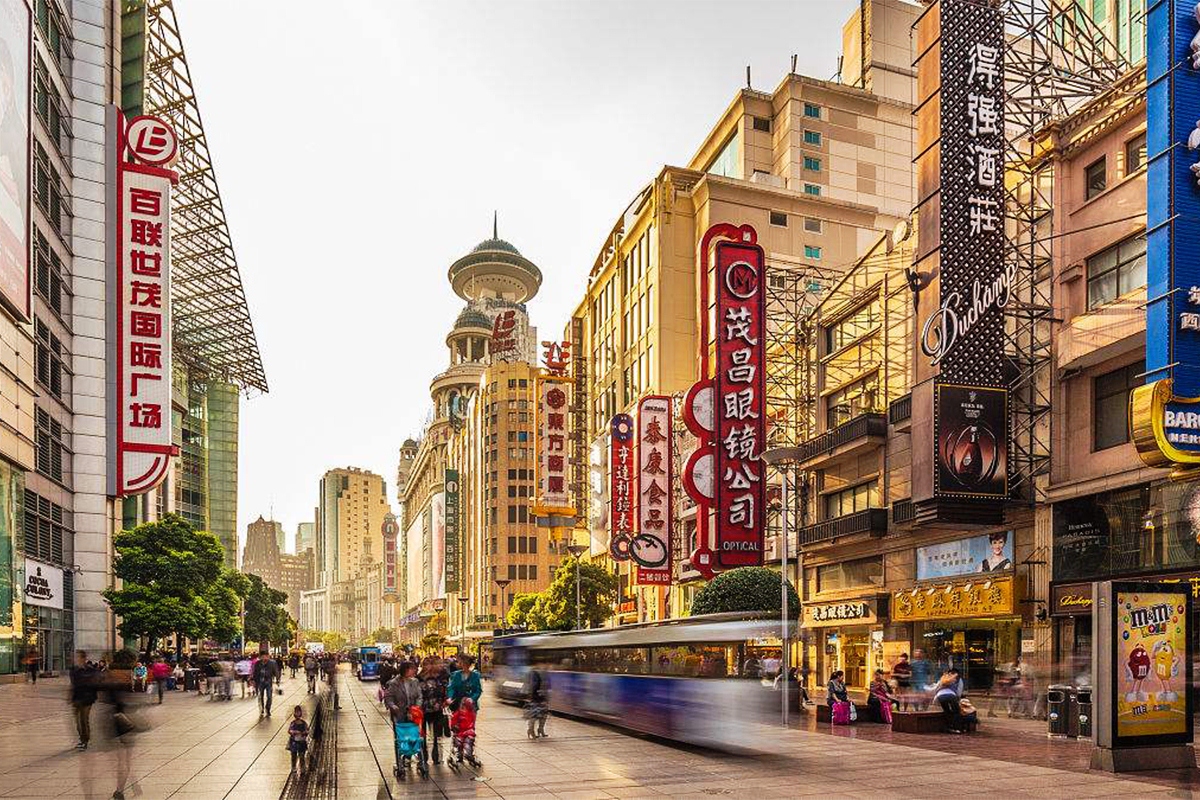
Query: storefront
x=845, y=635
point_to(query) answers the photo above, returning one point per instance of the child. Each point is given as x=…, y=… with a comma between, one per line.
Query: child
x=462, y=723
x=298, y=737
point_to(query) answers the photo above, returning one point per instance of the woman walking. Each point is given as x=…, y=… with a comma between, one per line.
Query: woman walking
x=435, y=684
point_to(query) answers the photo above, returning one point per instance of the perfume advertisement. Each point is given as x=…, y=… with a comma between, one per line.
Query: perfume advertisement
x=971, y=432
x=1151, y=636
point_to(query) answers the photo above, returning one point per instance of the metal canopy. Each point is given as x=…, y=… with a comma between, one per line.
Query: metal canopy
x=212, y=329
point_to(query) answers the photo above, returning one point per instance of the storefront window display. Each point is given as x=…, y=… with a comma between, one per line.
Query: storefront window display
x=984, y=650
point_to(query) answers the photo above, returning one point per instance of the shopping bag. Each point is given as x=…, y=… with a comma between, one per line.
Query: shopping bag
x=853, y=712
x=840, y=713
x=885, y=712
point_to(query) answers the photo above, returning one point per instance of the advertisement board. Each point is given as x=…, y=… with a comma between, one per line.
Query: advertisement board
x=1152, y=658
x=43, y=584
x=650, y=549
x=991, y=552
x=15, y=186
x=971, y=433
x=390, y=574
x=620, y=486
x=437, y=546
x=554, y=437
x=975, y=598
x=451, y=552
x=414, y=558
x=739, y=404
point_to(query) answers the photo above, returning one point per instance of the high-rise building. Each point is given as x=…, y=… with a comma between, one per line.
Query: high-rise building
x=295, y=578
x=353, y=504
x=262, y=553
x=306, y=537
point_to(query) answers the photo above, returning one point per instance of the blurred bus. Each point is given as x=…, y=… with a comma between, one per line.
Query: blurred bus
x=696, y=679
x=368, y=663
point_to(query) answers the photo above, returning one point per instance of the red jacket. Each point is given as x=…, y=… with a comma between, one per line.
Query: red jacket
x=462, y=722
x=161, y=671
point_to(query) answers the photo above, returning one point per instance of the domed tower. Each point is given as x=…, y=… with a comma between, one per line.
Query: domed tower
x=495, y=270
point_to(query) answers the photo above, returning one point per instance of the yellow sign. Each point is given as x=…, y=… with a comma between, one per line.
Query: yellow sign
x=975, y=598
x=1151, y=637
x=1166, y=429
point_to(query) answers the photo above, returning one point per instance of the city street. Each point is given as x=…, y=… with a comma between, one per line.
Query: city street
x=196, y=748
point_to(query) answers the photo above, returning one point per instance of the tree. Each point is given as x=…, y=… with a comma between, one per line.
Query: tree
x=745, y=589
x=266, y=618
x=439, y=623
x=554, y=608
x=432, y=641
x=382, y=634
x=166, y=570
x=333, y=641
x=224, y=598
x=518, y=612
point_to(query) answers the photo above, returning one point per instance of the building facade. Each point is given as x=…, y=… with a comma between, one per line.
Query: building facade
x=262, y=556
x=295, y=578
x=353, y=504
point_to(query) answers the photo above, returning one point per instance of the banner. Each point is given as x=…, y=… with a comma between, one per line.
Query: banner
x=452, y=539
x=620, y=486
x=390, y=531
x=554, y=434
x=651, y=548
x=43, y=584
x=1151, y=676
x=991, y=552
x=740, y=404
x=15, y=136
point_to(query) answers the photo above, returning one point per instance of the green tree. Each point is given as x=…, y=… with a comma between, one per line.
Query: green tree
x=382, y=634
x=554, y=609
x=266, y=618
x=166, y=570
x=333, y=641
x=432, y=642
x=745, y=589
x=518, y=612
x=224, y=598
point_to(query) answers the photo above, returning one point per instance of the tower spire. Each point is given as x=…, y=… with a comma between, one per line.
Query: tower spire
x=495, y=229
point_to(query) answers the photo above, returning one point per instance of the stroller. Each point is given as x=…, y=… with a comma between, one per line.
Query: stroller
x=408, y=743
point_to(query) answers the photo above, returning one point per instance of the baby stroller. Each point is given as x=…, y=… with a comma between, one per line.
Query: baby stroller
x=408, y=744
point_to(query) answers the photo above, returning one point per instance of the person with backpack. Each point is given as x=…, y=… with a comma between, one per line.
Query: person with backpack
x=537, y=707
x=265, y=673
x=310, y=672
x=435, y=684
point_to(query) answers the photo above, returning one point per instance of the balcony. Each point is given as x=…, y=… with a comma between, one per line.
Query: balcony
x=900, y=410
x=872, y=520
x=848, y=439
x=903, y=511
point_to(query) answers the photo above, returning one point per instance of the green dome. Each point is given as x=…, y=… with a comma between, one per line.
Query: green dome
x=470, y=318
x=495, y=244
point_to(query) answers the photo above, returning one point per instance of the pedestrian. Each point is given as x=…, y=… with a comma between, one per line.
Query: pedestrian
x=121, y=727
x=298, y=738
x=922, y=679
x=310, y=672
x=462, y=725
x=946, y=695
x=139, y=676
x=465, y=683
x=537, y=707
x=293, y=663
x=435, y=684
x=83, y=696
x=159, y=671
x=264, y=675
x=879, y=699
x=242, y=669
x=32, y=661
x=402, y=699
x=176, y=681
x=279, y=670
x=902, y=673
x=386, y=671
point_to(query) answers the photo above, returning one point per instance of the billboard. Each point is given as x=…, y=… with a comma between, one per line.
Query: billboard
x=414, y=558
x=437, y=546
x=651, y=548
x=452, y=548
x=43, y=584
x=15, y=186
x=620, y=486
x=991, y=552
x=1152, y=660
x=140, y=338
x=971, y=434
x=739, y=404
x=390, y=575
x=554, y=437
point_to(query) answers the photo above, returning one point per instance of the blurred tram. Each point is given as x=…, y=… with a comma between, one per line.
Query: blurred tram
x=706, y=680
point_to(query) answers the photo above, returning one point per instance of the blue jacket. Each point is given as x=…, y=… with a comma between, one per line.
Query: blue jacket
x=465, y=685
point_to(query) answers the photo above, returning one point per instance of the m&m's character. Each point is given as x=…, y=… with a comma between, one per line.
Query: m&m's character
x=1137, y=669
x=1166, y=667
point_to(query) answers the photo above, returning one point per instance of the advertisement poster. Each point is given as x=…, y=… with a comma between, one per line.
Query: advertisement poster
x=437, y=547
x=1151, y=635
x=992, y=552
x=14, y=153
x=971, y=430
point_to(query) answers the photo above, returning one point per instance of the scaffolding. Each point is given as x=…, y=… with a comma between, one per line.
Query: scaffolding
x=1056, y=61
x=212, y=331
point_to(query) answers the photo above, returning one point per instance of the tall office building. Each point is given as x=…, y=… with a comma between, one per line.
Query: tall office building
x=353, y=504
x=306, y=537
x=262, y=553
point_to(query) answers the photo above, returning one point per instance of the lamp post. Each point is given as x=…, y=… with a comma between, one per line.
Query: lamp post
x=503, y=584
x=577, y=550
x=462, y=617
x=776, y=457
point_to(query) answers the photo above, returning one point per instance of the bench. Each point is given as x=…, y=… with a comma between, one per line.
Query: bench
x=924, y=722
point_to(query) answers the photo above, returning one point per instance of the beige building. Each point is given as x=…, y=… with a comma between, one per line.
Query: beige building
x=819, y=168
x=353, y=504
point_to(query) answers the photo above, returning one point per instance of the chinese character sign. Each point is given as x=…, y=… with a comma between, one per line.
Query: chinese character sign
x=142, y=335
x=739, y=405
x=651, y=548
x=452, y=544
x=390, y=530
x=504, y=341
x=621, y=473
x=554, y=436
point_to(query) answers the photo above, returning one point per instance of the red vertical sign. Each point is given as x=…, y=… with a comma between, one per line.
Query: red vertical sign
x=740, y=404
x=651, y=548
x=620, y=483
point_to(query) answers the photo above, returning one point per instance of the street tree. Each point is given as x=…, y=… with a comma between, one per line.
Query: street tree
x=383, y=635
x=166, y=569
x=554, y=609
x=518, y=612
x=433, y=642
x=745, y=589
x=224, y=598
x=266, y=617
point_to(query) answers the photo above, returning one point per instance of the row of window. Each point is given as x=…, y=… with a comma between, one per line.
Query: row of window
x=49, y=191
x=44, y=528
x=51, y=358
x=811, y=224
x=50, y=447
x=522, y=544
x=1095, y=176
x=852, y=499
x=49, y=275
x=522, y=572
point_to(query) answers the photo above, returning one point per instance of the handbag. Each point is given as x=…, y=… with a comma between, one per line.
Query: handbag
x=853, y=712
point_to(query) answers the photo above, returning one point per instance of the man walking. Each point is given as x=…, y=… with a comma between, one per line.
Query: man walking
x=161, y=670
x=83, y=695
x=266, y=671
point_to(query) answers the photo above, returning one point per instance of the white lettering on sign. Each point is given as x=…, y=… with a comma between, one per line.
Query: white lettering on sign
x=554, y=406
x=956, y=317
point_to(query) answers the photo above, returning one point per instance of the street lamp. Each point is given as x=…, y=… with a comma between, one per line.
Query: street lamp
x=462, y=617
x=577, y=550
x=776, y=457
x=503, y=584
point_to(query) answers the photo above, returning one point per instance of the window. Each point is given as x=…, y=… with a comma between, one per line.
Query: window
x=812, y=189
x=49, y=454
x=812, y=225
x=812, y=163
x=48, y=272
x=762, y=124
x=512, y=513
x=848, y=574
x=512, y=474
x=811, y=251
x=812, y=137
x=1110, y=404
x=1135, y=154
x=1095, y=178
x=852, y=400
x=512, y=572
x=852, y=327
x=51, y=357
x=812, y=111
x=726, y=163
x=523, y=544
x=512, y=544
x=533, y=572
x=44, y=528
x=1116, y=271
x=851, y=500
x=533, y=544
x=779, y=218
x=523, y=514
x=48, y=189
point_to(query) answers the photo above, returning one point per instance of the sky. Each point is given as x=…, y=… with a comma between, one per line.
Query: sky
x=361, y=147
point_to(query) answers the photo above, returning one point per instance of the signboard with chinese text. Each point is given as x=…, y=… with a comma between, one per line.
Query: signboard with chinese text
x=1152, y=675
x=504, y=340
x=390, y=576
x=651, y=548
x=15, y=186
x=453, y=544
x=554, y=437
x=140, y=338
x=437, y=547
x=43, y=584
x=739, y=404
x=981, y=597
x=856, y=612
x=991, y=552
x=621, y=486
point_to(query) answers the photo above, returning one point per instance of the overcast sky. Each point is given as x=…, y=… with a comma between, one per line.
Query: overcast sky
x=362, y=146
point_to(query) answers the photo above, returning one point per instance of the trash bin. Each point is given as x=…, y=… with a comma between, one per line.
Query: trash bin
x=1080, y=715
x=1056, y=709
x=191, y=680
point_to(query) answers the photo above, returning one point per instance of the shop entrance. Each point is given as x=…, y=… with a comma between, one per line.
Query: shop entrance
x=855, y=647
x=982, y=650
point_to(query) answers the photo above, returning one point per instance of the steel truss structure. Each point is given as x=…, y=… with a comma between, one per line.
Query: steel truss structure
x=212, y=329
x=1056, y=61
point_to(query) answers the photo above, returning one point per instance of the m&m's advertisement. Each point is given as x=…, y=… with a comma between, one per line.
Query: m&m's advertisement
x=1151, y=672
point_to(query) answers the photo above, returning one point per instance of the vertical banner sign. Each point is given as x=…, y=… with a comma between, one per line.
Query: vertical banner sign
x=1152, y=664
x=16, y=41
x=390, y=530
x=452, y=545
x=142, y=312
x=1165, y=414
x=740, y=404
x=970, y=425
x=554, y=408
x=651, y=548
x=620, y=486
